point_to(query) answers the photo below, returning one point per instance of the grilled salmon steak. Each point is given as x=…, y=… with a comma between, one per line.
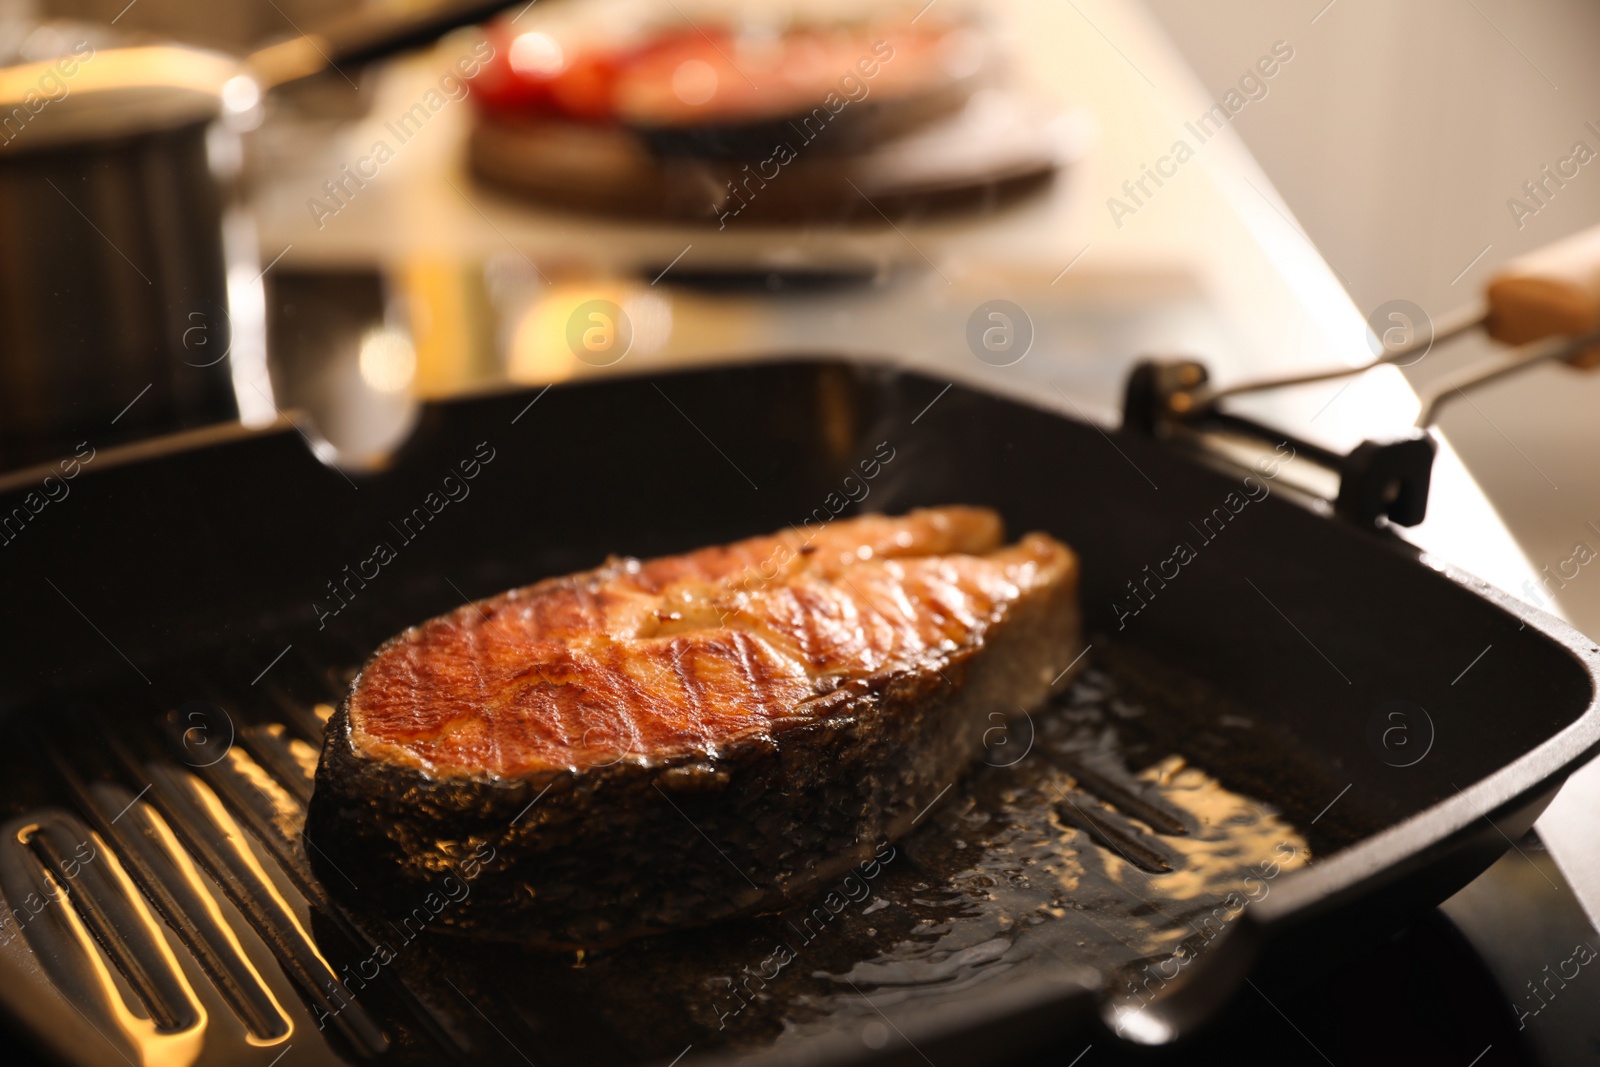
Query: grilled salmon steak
x=661, y=743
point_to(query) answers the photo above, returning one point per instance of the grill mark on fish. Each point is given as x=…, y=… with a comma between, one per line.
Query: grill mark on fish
x=896, y=634
x=951, y=617
x=762, y=692
x=952, y=598
x=693, y=691
x=809, y=616
x=496, y=742
x=906, y=609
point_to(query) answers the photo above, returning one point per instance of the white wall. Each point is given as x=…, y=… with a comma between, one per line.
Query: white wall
x=1397, y=134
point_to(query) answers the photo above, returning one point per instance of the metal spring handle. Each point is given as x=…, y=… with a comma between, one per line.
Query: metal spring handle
x=1546, y=303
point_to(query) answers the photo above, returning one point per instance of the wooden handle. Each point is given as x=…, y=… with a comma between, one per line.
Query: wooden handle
x=1554, y=291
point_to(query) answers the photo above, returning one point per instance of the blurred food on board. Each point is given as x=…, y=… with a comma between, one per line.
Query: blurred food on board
x=713, y=118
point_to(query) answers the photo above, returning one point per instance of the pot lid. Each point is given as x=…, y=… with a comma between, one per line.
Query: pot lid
x=89, y=95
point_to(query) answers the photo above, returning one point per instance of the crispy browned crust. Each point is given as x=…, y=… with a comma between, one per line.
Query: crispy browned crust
x=567, y=854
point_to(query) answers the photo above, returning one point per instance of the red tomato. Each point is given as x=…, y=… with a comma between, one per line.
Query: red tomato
x=684, y=77
x=499, y=87
x=687, y=79
x=695, y=79
x=533, y=73
x=584, y=89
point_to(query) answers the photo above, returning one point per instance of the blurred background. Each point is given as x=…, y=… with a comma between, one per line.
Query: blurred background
x=1401, y=143
x=623, y=152
x=212, y=216
x=1392, y=146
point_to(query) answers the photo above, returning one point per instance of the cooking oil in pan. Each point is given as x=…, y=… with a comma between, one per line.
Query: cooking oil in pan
x=1053, y=854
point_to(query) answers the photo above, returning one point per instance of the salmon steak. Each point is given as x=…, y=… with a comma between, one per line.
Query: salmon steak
x=664, y=743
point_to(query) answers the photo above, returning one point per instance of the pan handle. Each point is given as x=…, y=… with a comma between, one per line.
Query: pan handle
x=1546, y=303
x=364, y=35
x=1552, y=292
x=1377, y=480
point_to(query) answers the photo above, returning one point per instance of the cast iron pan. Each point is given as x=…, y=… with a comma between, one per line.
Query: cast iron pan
x=163, y=675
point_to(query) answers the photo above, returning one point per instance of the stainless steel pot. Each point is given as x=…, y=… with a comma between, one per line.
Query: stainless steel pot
x=131, y=296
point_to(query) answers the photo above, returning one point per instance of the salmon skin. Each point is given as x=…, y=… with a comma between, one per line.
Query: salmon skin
x=656, y=744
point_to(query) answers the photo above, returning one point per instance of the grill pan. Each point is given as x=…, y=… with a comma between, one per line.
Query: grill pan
x=165, y=678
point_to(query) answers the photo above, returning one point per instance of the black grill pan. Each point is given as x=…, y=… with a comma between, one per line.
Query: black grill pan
x=171, y=647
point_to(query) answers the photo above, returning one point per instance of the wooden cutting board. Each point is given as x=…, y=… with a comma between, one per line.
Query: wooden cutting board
x=995, y=147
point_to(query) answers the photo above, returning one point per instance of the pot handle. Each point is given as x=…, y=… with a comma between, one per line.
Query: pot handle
x=1554, y=291
x=365, y=35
